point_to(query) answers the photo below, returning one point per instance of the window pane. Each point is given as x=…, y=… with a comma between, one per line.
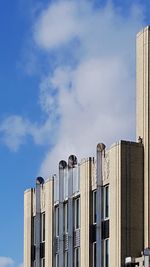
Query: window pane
x=94, y=207
x=94, y=254
x=106, y=253
x=105, y=202
x=77, y=257
x=77, y=213
x=66, y=217
x=57, y=260
x=66, y=259
x=57, y=221
x=42, y=227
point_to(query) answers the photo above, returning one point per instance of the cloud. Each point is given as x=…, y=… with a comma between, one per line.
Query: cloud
x=15, y=130
x=88, y=94
x=6, y=262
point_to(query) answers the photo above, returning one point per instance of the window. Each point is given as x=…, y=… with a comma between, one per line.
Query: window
x=94, y=207
x=66, y=259
x=76, y=213
x=57, y=221
x=94, y=254
x=43, y=262
x=77, y=257
x=57, y=260
x=105, y=202
x=33, y=231
x=106, y=252
x=43, y=227
x=66, y=217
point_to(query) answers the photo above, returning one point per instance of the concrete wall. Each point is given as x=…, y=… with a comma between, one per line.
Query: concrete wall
x=49, y=234
x=126, y=201
x=28, y=206
x=85, y=188
x=143, y=117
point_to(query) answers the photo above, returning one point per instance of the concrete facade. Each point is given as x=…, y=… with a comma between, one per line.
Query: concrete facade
x=96, y=212
x=122, y=174
x=143, y=117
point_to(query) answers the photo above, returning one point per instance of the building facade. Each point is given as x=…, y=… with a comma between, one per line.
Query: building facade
x=96, y=213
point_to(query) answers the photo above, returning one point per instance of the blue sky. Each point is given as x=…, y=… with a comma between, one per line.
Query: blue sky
x=67, y=81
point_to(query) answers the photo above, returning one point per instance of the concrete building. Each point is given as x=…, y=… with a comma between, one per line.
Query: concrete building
x=96, y=213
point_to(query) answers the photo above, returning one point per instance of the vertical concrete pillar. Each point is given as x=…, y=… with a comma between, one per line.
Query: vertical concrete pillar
x=49, y=214
x=143, y=117
x=28, y=207
x=62, y=168
x=39, y=182
x=99, y=178
x=72, y=161
x=85, y=187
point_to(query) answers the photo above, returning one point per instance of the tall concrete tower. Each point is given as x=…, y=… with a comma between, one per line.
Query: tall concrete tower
x=143, y=117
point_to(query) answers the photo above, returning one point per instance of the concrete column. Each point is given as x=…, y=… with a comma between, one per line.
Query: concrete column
x=143, y=117
x=99, y=178
x=49, y=214
x=85, y=186
x=72, y=161
x=28, y=206
x=62, y=168
x=39, y=182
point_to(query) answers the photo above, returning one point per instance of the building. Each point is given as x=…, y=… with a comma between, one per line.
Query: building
x=96, y=213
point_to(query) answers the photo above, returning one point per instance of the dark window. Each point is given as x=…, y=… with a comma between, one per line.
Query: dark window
x=76, y=213
x=94, y=207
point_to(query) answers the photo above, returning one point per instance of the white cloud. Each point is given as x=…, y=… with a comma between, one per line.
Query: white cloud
x=15, y=129
x=63, y=27
x=95, y=97
x=6, y=262
x=88, y=95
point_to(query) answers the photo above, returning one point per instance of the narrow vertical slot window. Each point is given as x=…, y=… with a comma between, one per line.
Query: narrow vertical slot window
x=77, y=257
x=66, y=259
x=94, y=207
x=66, y=217
x=57, y=221
x=57, y=260
x=77, y=213
x=106, y=202
x=43, y=227
x=106, y=252
x=94, y=254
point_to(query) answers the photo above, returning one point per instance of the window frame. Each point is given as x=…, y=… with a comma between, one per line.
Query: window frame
x=66, y=217
x=57, y=221
x=94, y=211
x=77, y=257
x=76, y=213
x=106, y=204
x=43, y=227
x=106, y=252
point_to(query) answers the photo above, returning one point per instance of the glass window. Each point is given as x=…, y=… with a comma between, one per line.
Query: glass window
x=75, y=179
x=94, y=254
x=77, y=257
x=106, y=202
x=94, y=207
x=57, y=260
x=106, y=252
x=43, y=262
x=66, y=217
x=66, y=259
x=33, y=231
x=65, y=183
x=77, y=213
x=56, y=188
x=57, y=221
x=42, y=227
